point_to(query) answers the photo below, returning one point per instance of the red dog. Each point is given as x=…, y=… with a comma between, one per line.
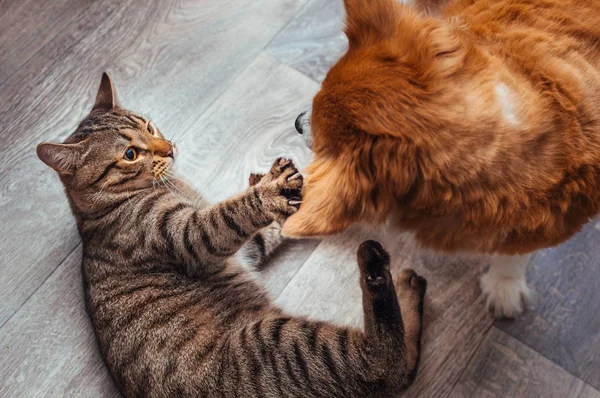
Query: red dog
x=479, y=130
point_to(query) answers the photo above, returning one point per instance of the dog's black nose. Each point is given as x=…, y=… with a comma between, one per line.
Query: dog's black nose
x=298, y=123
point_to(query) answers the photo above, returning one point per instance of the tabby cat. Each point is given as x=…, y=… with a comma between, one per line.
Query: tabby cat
x=170, y=287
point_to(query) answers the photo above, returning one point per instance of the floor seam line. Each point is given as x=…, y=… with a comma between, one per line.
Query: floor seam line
x=460, y=375
x=60, y=263
x=286, y=24
x=298, y=270
x=545, y=357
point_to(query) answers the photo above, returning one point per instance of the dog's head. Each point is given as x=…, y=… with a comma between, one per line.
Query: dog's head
x=373, y=113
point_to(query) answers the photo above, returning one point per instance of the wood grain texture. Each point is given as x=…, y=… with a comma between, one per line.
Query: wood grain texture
x=565, y=325
x=504, y=367
x=247, y=128
x=313, y=41
x=27, y=25
x=48, y=349
x=170, y=60
x=327, y=287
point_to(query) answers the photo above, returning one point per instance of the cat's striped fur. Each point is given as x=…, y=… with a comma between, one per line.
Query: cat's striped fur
x=177, y=310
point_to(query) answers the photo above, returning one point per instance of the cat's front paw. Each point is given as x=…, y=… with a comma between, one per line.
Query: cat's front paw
x=255, y=179
x=280, y=190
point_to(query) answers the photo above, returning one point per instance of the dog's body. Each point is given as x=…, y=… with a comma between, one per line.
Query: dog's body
x=479, y=131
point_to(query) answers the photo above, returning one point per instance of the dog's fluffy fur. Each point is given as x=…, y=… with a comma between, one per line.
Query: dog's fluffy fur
x=479, y=130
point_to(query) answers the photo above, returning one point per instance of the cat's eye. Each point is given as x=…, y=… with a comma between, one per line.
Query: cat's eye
x=130, y=154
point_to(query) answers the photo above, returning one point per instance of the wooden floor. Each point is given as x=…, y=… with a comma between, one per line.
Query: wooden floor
x=227, y=79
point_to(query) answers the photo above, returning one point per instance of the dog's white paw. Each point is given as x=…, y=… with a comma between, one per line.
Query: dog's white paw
x=506, y=297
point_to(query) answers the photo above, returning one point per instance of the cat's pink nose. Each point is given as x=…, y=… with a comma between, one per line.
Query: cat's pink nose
x=172, y=152
x=163, y=148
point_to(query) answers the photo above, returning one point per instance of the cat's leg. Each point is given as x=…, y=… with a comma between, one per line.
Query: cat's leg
x=202, y=237
x=292, y=356
x=505, y=285
x=393, y=320
x=257, y=250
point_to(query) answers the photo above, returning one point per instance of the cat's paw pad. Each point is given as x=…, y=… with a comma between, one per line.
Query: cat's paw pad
x=506, y=297
x=374, y=263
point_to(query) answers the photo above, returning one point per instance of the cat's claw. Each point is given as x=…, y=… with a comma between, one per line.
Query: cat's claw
x=295, y=176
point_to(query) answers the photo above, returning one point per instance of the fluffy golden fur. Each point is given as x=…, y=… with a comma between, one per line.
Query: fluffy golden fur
x=479, y=129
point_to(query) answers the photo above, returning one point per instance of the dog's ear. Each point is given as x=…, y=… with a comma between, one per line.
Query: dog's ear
x=329, y=202
x=370, y=20
x=447, y=50
x=430, y=42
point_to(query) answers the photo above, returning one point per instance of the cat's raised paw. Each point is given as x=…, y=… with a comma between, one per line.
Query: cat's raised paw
x=374, y=263
x=281, y=189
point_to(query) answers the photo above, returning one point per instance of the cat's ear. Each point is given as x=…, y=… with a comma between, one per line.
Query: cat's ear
x=106, y=99
x=63, y=158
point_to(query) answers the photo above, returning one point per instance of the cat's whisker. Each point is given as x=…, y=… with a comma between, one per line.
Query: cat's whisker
x=175, y=186
x=173, y=176
x=168, y=181
x=166, y=186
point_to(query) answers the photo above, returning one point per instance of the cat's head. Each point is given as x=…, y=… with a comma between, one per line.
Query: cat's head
x=112, y=151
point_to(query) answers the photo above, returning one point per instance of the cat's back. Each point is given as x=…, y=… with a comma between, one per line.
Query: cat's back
x=155, y=324
x=148, y=324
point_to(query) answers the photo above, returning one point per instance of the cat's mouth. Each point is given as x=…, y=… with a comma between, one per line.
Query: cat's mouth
x=161, y=168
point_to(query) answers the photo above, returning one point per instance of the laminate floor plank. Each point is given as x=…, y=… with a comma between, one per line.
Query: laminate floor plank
x=313, y=41
x=48, y=348
x=504, y=367
x=243, y=132
x=27, y=25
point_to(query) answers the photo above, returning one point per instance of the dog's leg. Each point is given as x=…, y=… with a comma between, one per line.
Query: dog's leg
x=505, y=285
